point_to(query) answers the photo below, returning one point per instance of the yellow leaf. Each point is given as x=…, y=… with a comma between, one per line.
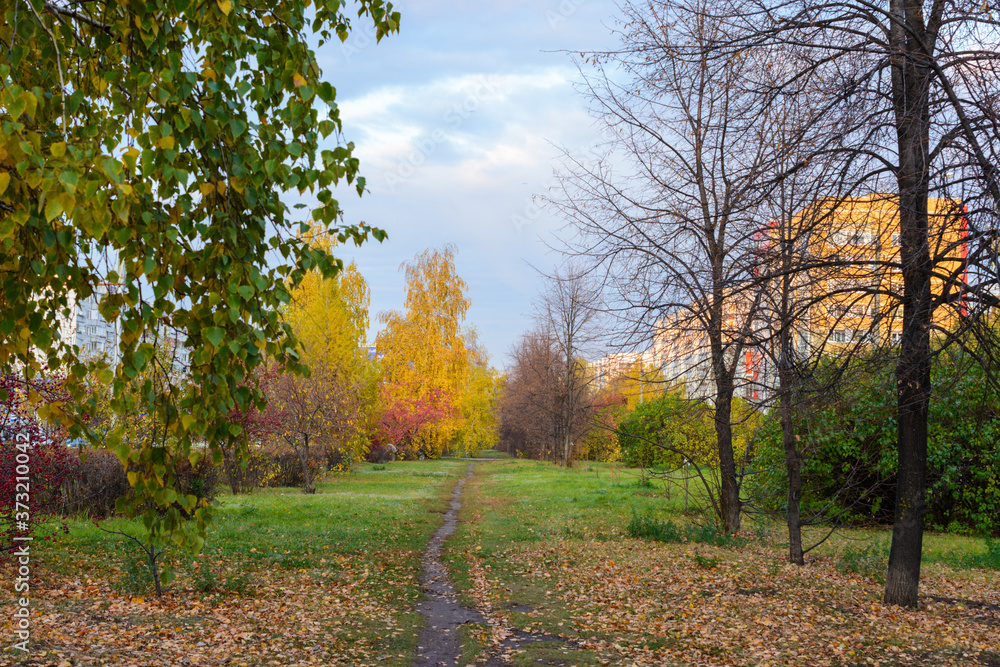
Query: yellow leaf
x=206, y=189
x=166, y=143
x=226, y=6
x=298, y=80
x=221, y=187
x=4, y=181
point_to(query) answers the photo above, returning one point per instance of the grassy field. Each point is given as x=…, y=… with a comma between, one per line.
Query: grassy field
x=331, y=579
x=285, y=579
x=546, y=550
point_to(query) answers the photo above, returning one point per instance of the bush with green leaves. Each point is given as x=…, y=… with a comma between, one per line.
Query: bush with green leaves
x=847, y=435
x=662, y=431
x=150, y=154
x=670, y=430
x=647, y=527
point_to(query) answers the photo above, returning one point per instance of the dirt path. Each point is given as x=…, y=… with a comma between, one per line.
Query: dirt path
x=443, y=613
x=439, y=644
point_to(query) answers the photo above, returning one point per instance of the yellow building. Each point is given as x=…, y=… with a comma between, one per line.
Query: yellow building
x=856, y=288
x=850, y=295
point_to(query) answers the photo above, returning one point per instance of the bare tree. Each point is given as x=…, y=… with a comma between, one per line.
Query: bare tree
x=568, y=312
x=530, y=405
x=922, y=79
x=310, y=412
x=669, y=213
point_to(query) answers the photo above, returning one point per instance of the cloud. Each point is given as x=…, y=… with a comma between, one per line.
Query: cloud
x=454, y=121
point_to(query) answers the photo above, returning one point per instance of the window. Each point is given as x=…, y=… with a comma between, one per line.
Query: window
x=895, y=240
x=845, y=310
x=840, y=336
x=841, y=285
x=895, y=338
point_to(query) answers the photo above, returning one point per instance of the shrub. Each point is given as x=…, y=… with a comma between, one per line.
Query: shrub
x=200, y=480
x=259, y=471
x=96, y=481
x=645, y=526
x=871, y=562
x=288, y=467
x=850, y=434
x=34, y=462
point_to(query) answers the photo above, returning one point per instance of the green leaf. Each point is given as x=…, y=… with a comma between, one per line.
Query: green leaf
x=69, y=179
x=214, y=335
x=53, y=209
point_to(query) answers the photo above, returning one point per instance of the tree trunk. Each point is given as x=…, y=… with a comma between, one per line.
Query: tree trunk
x=729, y=493
x=304, y=457
x=231, y=466
x=154, y=569
x=911, y=82
x=786, y=378
x=793, y=463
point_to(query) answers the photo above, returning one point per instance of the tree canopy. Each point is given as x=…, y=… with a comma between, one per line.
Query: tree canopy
x=154, y=146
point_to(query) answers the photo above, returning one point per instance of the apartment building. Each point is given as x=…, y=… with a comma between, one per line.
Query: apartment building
x=683, y=349
x=856, y=298
x=86, y=328
x=851, y=295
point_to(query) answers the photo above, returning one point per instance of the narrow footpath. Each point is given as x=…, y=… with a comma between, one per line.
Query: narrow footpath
x=439, y=644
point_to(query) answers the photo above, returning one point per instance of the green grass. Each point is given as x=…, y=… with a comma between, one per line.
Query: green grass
x=562, y=515
x=373, y=523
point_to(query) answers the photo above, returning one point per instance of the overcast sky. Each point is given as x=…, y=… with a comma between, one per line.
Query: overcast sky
x=454, y=120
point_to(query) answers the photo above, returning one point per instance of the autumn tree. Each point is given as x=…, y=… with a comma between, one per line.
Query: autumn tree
x=329, y=316
x=423, y=351
x=405, y=418
x=477, y=403
x=309, y=412
x=156, y=145
x=34, y=460
x=920, y=80
x=568, y=311
x=669, y=212
x=533, y=403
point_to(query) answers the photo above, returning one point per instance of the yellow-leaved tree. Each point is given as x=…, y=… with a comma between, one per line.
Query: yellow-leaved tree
x=478, y=402
x=423, y=352
x=330, y=318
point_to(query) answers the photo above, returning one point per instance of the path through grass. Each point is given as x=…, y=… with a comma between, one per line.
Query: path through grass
x=546, y=549
x=285, y=579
